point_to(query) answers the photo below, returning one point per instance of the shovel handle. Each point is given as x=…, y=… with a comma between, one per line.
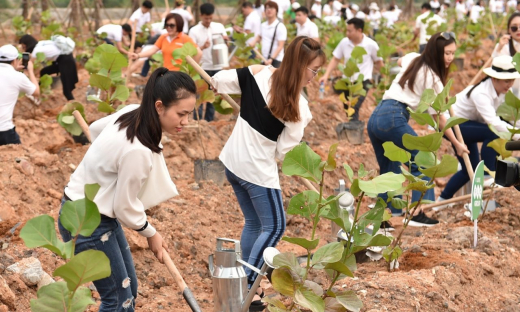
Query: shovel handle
x=83, y=125
x=186, y=292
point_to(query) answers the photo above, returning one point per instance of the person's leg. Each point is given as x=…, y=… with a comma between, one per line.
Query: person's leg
x=131, y=280
x=49, y=70
x=9, y=137
x=146, y=68
x=210, y=112
x=461, y=177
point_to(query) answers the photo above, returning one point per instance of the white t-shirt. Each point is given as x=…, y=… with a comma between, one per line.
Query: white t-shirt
x=114, y=32
x=12, y=82
x=475, y=13
x=374, y=17
x=391, y=17
x=186, y=16
x=492, y=6
x=427, y=16
x=316, y=8
x=361, y=15
x=336, y=8
x=267, y=34
x=308, y=29
x=511, y=4
x=141, y=18
x=499, y=6
x=283, y=5
x=253, y=23
x=469, y=5
x=425, y=79
x=158, y=28
x=460, y=9
x=435, y=4
x=344, y=51
x=327, y=10
x=200, y=34
x=47, y=47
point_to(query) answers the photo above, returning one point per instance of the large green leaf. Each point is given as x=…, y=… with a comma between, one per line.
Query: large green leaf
x=440, y=104
x=304, y=204
x=391, y=254
x=308, y=299
x=302, y=161
x=516, y=61
x=81, y=217
x=45, y=81
x=425, y=159
x=351, y=68
x=40, y=232
x=511, y=100
x=110, y=58
x=349, y=300
x=307, y=244
x=382, y=184
x=283, y=281
x=329, y=253
x=507, y=112
x=99, y=81
x=452, y=121
x=288, y=260
x=332, y=305
x=121, y=93
x=447, y=166
x=363, y=240
x=373, y=216
x=331, y=158
x=93, y=65
x=87, y=266
x=503, y=135
x=104, y=107
x=395, y=153
x=55, y=298
x=499, y=145
x=357, y=53
x=423, y=118
x=339, y=267
x=427, y=143
x=427, y=98
x=349, y=171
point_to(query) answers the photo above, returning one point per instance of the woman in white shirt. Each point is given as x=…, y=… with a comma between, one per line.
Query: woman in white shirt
x=126, y=160
x=389, y=121
x=272, y=120
x=509, y=44
x=185, y=12
x=476, y=11
x=460, y=9
x=479, y=104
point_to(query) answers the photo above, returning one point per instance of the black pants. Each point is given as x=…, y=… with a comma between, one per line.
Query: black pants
x=65, y=66
x=210, y=109
x=9, y=137
x=361, y=99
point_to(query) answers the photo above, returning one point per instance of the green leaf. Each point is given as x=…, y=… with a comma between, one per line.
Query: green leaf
x=427, y=143
x=55, y=298
x=304, y=204
x=93, y=66
x=99, y=81
x=349, y=300
x=516, y=61
x=357, y=53
x=274, y=303
x=283, y=281
x=452, y=121
x=382, y=184
x=339, y=267
x=391, y=254
x=68, y=119
x=350, y=172
x=45, y=81
x=423, y=118
x=80, y=217
x=329, y=253
x=104, y=107
x=222, y=106
x=307, y=244
x=91, y=190
x=121, y=93
x=503, y=135
x=425, y=159
x=332, y=305
x=308, y=299
x=288, y=260
x=448, y=165
x=110, y=58
x=302, y=161
x=511, y=100
x=395, y=153
x=361, y=171
x=40, y=232
x=421, y=186
x=499, y=145
x=40, y=57
x=94, y=98
x=398, y=203
x=87, y=266
x=331, y=159
x=363, y=240
x=373, y=216
x=354, y=188
x=427, y=98
x=440, y=104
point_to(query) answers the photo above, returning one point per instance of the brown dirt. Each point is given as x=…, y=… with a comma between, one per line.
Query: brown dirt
x=439, y=271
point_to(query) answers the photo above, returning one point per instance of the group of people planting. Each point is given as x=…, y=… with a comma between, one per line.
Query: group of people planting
x=125, y=157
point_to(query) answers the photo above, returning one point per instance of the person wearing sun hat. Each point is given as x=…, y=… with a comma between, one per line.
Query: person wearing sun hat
x=374, y=17
x=13, y=82
x=478, y=104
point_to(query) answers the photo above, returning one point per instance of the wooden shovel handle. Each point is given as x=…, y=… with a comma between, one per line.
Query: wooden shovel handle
x=83, y=125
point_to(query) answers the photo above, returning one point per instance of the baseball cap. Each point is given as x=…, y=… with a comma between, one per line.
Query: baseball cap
x=8, y=52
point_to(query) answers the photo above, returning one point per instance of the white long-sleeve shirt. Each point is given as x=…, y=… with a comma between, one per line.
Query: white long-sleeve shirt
x=131, y=177
x=258, y=138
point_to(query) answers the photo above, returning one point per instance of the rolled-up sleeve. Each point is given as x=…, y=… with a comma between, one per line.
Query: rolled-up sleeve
x=133, y=171
x=292, y=134
x=226, y=81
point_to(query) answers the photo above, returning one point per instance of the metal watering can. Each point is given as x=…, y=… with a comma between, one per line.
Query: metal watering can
x=219, y=51
x=230, y=293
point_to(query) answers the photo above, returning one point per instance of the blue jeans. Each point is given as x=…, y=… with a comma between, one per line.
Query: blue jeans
x=389, y=122
x=473, y=133
x=210, y=109
x=264, y=220
x=119, y=290
x=9, y=137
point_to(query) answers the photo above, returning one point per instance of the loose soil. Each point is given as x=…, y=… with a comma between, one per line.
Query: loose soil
x=439, y=269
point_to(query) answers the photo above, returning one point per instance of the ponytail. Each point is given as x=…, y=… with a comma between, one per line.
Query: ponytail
x=473, y=88
x=143, y=122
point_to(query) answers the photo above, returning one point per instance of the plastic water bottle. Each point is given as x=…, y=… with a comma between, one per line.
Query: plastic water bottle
x=322, y=90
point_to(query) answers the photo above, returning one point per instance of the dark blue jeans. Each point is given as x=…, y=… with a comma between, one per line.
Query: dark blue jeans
x=264, y=220
x=9, y=137
x=119, y=290
x=473, y=133
x=389, y=122
x=210, y=109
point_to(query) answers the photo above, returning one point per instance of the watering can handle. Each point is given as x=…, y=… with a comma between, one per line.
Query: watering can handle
x=253, y=268
x=229, y=240
x=210, y=262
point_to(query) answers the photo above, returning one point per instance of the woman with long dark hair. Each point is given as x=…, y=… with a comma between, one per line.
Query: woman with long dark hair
x=126, y=160
x=272, y=120
x=389, y=121
x=509, y=44
x=478, y=104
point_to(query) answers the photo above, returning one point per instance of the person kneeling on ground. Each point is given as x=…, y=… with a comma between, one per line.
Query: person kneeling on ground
x=13, y=82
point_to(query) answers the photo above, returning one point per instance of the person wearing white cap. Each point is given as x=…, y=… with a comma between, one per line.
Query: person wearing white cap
x=374, y=17
x=13, y=82
x=304, y=26
x=479, y=104
x=316, y=9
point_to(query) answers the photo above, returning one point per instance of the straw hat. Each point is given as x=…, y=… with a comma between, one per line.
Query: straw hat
x=374, y=6
x=502, y=68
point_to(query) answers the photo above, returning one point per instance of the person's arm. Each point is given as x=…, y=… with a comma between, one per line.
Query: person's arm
x=120, y=48
x=378, y=64
x=147, y=53
x=226, y=81
x=198, y=57
x=30, y=73
x=292, y=133
x=332, y=65
x=255, y=40
x=487, y=111
x=459, y=147
x=278, y=49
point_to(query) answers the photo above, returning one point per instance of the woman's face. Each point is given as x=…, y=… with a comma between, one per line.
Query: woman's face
x=175, y=117
x=171, y=27
x=502, y=85
x=515, y=25
x=312, y=70
x=449, y=53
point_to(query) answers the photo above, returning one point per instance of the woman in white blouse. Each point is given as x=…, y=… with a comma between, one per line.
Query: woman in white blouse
x=126, y=160
x=509, y=44
x=479, y=104
x=389, y=121
x=272, y=120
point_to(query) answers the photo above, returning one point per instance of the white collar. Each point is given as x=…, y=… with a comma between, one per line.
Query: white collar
x=6, y=66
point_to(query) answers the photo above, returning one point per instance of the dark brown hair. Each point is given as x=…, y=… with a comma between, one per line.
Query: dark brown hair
x=433, y=57
x=287, y=83
x=271, y=4
x=179, y=21
x=512, y=50
x=143, y=122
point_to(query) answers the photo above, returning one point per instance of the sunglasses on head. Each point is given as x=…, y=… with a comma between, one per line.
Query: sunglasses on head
x=169, y=25
x=514, y=28
x=447, y=35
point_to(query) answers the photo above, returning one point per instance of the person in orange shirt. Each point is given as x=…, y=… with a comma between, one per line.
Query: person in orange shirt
x=169, y=42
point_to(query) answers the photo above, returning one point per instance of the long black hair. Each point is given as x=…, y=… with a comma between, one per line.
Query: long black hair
x=473, y=88
x=29, y=41
x=143, y=122
x=433, y=57
x=512, y=50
